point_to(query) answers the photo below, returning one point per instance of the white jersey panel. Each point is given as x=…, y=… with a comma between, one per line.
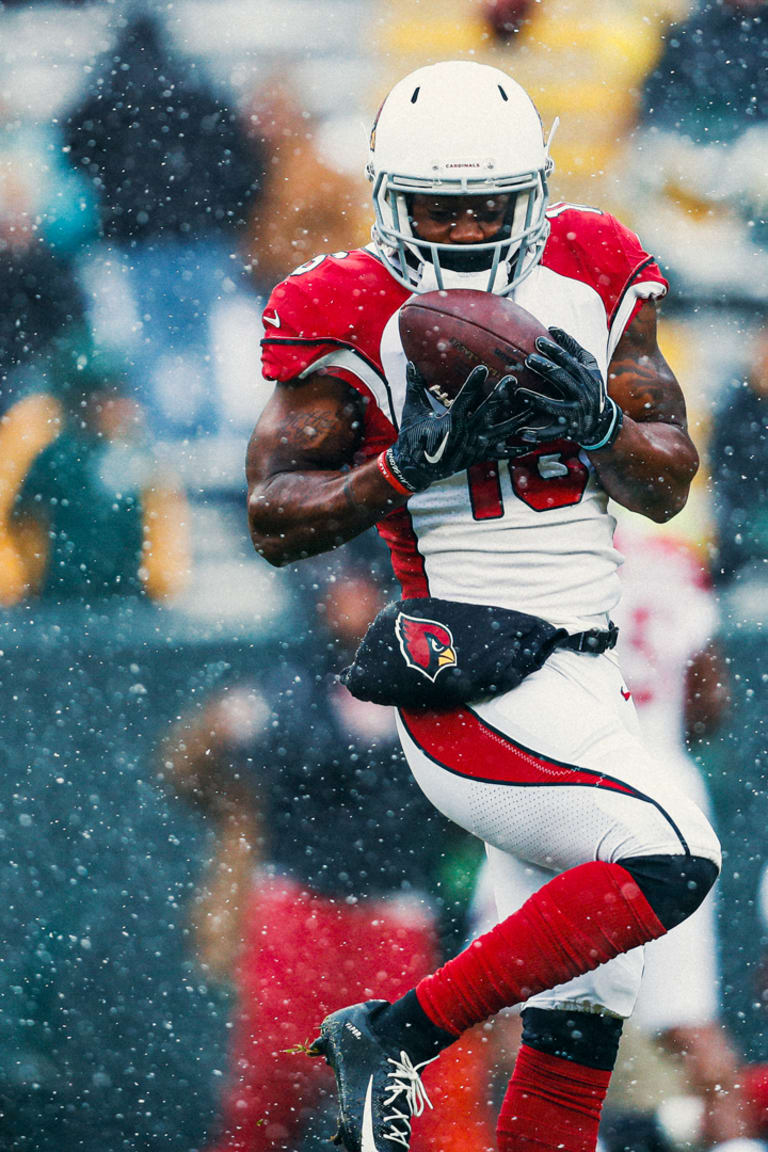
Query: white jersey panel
x=561, y=302
x=393, y=362
x=559, y=564
x=555, y=561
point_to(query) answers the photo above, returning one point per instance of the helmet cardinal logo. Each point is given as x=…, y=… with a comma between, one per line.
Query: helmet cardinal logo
x=426, y=645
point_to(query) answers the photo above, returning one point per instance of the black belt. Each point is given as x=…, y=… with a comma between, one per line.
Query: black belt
x=594, y=641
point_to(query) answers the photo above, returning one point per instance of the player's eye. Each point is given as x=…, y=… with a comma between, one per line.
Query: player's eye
x=491, y=211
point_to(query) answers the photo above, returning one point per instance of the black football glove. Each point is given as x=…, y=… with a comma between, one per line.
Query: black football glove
x=435, y=441
x=586, y=413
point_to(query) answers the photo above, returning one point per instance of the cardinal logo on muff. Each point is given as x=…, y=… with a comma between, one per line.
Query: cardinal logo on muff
x=426, y=645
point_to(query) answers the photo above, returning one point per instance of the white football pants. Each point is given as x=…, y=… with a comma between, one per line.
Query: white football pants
x=554, y=774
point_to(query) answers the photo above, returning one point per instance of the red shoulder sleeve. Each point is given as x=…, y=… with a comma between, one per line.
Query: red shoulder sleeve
x=333, y=302
x=328, y=317
x=596, y=248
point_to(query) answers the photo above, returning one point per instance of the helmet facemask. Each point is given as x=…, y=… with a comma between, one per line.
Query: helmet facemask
x=508, y=256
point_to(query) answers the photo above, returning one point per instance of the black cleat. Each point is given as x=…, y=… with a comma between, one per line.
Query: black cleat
x=379, y=1087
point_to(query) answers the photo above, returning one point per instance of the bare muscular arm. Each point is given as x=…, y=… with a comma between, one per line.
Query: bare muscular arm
x=304, y=495
x=650, y=466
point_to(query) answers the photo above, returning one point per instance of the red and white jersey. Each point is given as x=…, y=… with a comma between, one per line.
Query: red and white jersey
x=667, y=614
x=533, y=534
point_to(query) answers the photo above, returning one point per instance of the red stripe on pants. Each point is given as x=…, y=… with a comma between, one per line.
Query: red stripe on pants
x=462, y=742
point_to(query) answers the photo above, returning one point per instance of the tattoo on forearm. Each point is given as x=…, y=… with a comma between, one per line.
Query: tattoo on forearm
x=651, y=388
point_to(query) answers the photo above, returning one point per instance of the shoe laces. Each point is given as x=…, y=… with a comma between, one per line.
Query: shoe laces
x=405, y=1090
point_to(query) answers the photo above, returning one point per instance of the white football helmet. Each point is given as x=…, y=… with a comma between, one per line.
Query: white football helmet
x=455, y=129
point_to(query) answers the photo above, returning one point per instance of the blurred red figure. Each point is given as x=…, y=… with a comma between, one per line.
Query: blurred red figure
x=676, y=675
x=299, y=911
x=308, y=963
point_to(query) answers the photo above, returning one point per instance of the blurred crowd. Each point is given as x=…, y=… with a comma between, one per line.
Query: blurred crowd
x=141, y=228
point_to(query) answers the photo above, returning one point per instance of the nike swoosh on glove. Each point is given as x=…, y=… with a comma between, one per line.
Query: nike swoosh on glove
x=585, y=413
x=435, y=441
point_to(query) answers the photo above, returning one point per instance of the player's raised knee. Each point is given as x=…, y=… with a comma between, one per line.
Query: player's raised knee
x=674, y=886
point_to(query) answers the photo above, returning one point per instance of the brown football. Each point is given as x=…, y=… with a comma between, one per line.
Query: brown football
x=449, y=332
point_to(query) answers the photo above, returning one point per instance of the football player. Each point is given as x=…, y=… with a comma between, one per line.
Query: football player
x=554, y=770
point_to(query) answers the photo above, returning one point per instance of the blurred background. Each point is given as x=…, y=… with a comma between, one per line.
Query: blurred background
x=162, y=166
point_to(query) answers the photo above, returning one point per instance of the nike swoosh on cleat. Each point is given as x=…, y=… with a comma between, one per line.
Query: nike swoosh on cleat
x=367, y=1142
x=439, y=454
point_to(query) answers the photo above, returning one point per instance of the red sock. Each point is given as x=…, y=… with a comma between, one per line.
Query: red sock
x=577, y=921
x=551, y=1104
